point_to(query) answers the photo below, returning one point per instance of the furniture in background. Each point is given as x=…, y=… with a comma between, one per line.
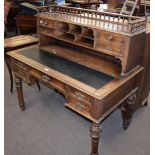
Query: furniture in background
x=26, y=24
x=84, y=3
x=7, y=7
x=17, y=43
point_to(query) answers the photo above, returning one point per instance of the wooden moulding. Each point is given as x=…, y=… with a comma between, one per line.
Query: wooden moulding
x=129, y=24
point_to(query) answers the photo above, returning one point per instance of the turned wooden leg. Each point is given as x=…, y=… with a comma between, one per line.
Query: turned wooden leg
x=145, y=102
x=38, y=85
x=18, y=82
x=127, y=110
x=95, y=133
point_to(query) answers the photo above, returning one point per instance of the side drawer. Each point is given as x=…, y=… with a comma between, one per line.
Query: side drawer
x=80, y=105
x=79, y=95
x=50, y=81
x=21, y=70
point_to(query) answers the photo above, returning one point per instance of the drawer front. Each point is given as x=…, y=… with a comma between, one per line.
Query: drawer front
x=80, y=105
x=80, y=95
x=110, y=37
x=46, y=23
x=21, y=70
x=20, y=65
x=102, y=44
x=48, y=80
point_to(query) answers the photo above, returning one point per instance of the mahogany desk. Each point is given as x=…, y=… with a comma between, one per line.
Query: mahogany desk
x=90, y=93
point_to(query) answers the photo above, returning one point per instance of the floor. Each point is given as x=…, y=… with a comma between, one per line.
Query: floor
x=48, y=128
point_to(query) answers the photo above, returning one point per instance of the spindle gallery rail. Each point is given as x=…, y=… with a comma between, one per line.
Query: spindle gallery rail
x=113, y=21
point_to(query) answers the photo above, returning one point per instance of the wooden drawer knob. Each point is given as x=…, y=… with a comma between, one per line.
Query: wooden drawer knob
x=41, y=21
x=110, y=38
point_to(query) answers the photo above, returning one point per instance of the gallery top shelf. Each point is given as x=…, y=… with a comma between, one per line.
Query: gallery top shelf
x=95, y=19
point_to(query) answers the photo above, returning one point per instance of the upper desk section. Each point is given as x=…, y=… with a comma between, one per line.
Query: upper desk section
x=121, y=38
x=123, y=24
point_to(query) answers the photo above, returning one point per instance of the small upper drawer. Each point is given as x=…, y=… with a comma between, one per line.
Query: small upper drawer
x=111, y=37
x=112, y=47
x=46, y=23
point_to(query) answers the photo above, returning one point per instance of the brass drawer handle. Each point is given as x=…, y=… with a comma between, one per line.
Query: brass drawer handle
x=79, y=96
x=45, y=78
x=79, y=106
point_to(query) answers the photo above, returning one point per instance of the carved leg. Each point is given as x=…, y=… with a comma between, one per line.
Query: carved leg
x=18, y=82
x=127, y=110
x=95, y=133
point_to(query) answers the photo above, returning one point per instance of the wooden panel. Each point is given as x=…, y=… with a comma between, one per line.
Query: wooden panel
x=46, y=31
x=99, y=108
x=134, y=54
x=47, y=79
x=85, y=59
x=21, y=70
x=144, y=79
x=115, y=48
x=112, y=37
x=79, y=95
x=80, y=105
